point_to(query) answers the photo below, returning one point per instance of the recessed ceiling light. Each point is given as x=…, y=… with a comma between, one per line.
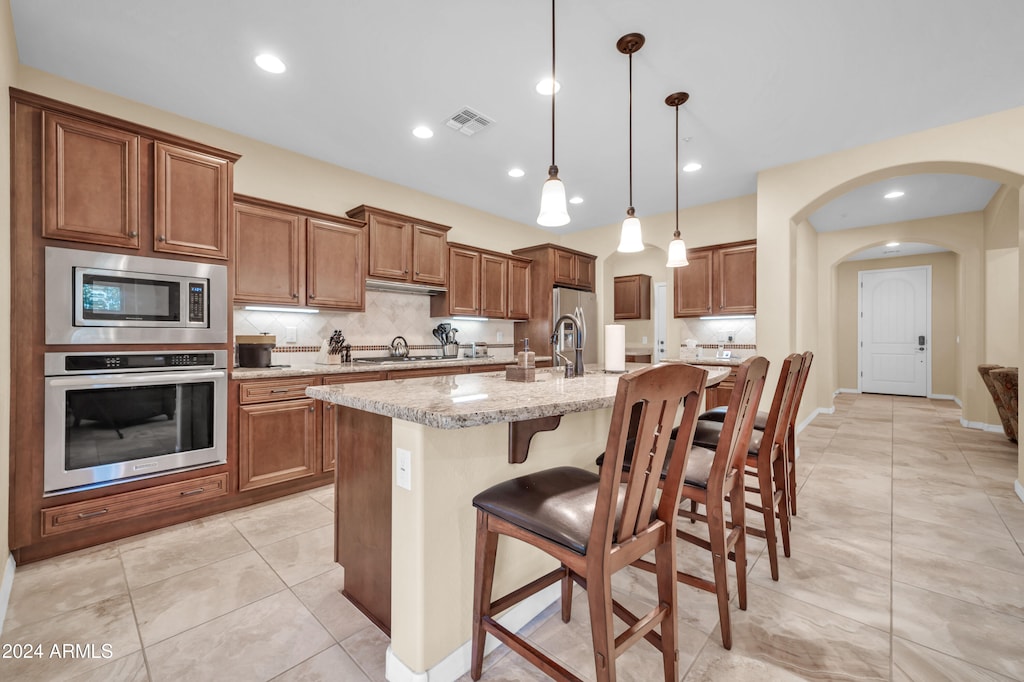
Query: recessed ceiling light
x=892, y=245
x=895, y=194
x=516, y=172
x=691, y=167
x=576, y=200
x=423, y=132
x=544, y=86
x=269, y=63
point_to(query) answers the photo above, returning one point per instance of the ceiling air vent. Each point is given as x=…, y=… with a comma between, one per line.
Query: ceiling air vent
x=467, y=121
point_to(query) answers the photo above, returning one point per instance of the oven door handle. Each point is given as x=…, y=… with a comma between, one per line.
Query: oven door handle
x=140, y=379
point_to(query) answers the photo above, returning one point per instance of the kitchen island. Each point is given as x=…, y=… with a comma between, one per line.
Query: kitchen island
x=416, y=452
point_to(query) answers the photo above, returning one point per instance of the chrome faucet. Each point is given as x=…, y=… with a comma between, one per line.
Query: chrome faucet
x=579, y=339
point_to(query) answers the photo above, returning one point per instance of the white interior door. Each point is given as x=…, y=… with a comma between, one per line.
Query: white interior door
x=895, y=331
x=660, y=323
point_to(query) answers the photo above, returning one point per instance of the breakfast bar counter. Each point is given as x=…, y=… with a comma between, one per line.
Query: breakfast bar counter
x=415, y=453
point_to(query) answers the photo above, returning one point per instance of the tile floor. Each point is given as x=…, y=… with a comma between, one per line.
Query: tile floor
x=907, y=565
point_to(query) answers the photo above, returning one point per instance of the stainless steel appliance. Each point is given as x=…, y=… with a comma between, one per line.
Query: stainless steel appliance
x=96, y=297
x=112, y=417
x=583, y=306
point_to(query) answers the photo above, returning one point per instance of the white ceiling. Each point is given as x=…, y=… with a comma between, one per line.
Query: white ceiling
x=770, y=83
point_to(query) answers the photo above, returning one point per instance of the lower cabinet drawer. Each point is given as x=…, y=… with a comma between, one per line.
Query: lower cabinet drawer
x=123, y=506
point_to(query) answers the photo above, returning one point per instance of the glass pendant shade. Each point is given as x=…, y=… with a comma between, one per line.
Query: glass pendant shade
x=676, y=254
x=631, y=240
x=553, y=212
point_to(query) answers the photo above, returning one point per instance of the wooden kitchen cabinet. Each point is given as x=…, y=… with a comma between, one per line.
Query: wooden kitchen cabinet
x=718, y=395
x=90, y=182
x=720, y=280
x=291, y=257
x=192, y=202
x=404, y=249
x=632, y=296
x=278, y=438
x=484, y=283
x=572, y=268
x=110, y=183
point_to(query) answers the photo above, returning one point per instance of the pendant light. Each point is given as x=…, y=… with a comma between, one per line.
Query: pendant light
x=677, y=247
x=552, y=196
x=630, y=240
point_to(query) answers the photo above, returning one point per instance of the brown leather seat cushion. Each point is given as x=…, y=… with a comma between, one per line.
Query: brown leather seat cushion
x=698, y=464
x=708, y=432
x=717, y=414
x=557, y=504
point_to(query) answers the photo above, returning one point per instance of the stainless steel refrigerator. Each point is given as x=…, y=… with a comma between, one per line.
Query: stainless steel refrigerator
x=573, y=302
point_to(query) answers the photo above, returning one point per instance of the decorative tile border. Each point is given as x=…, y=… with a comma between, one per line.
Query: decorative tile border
x=378, y=347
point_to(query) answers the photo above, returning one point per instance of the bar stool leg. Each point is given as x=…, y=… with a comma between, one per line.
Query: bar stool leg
x=599, y=596
x=486, y=550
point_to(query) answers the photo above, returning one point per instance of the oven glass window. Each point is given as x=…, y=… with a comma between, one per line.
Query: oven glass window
x=122, y=424
x=106, y=297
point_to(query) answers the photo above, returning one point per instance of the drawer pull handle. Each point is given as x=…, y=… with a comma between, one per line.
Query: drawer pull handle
x=89, y=515
x=312, y=408
x=279, y=390
x=187, y=493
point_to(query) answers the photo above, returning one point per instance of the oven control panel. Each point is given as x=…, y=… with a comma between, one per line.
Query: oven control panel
x=128, y=361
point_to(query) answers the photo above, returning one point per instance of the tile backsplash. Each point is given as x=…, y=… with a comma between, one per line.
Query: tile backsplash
x=710, y=333
x=387, y=315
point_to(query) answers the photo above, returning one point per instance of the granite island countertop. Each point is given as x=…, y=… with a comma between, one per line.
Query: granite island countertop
x=465, y=400
x=307, y=369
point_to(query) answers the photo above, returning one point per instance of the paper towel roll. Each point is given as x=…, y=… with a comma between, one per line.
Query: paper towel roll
x=615, y=347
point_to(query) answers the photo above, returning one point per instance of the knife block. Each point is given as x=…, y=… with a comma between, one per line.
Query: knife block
x=324, y=358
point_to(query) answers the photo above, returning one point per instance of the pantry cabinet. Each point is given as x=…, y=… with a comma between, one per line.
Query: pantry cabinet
x=720, y=280
x=291, y=257
x=404, y=249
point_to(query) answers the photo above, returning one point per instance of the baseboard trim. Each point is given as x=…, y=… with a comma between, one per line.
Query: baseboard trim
x=6, y=585
x=456, y=664
x=846, y=390
x=981, y=426
x=943, y=396
x=1019, y=489
x=806, y=422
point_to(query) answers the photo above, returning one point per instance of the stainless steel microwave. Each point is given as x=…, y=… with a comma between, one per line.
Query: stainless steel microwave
x=96, y=297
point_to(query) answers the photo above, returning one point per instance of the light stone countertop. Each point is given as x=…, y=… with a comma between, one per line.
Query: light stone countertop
x=464, y=400
x=306, y=369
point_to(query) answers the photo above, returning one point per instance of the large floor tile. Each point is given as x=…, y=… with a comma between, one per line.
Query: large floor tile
x=959, y=629
x=832, y=542
x=991, y=588
x=368, y=648
x=268, y=523
x=324, y=496
x=322, y=596
x=103, y=624
x=832, y=586
x=914, y=663
x=131, y=668
x=1011, y=512
x=936, y=501
x=171, y=606
x=327, y=666
x=302, y=556
x=960, y=541
x=254, y=643
x=62, y=584
x=162, y=554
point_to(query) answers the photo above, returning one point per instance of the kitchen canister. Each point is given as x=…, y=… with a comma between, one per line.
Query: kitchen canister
x=615, y=347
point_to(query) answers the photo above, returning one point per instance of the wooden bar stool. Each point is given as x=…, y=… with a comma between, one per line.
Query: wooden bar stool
x=766, y=461
x=595, y=525
x=711, y=477
x=718, y=414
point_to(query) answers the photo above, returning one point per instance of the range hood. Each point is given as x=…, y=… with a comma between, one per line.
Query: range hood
x=404, y=288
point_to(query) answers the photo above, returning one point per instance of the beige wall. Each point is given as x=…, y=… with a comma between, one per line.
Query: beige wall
x=8, y=72
x=943, y=319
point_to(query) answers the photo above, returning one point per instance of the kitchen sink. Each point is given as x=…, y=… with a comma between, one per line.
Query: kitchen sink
x=389, y=360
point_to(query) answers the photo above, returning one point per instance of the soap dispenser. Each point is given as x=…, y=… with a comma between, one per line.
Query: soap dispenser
x=526, y=357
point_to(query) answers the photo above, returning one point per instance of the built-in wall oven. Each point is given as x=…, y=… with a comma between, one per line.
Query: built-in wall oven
x=116, y=416
x=94, y=298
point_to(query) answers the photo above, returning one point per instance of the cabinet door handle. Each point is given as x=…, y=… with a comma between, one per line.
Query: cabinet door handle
x=90, y=515
x=329, y=406
x=188, y=493
x=312, y=408
x=294, y=295
x=161, y=238
x=406, y=271
x=311, y=296
x=417, y=272
x=133, y=234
